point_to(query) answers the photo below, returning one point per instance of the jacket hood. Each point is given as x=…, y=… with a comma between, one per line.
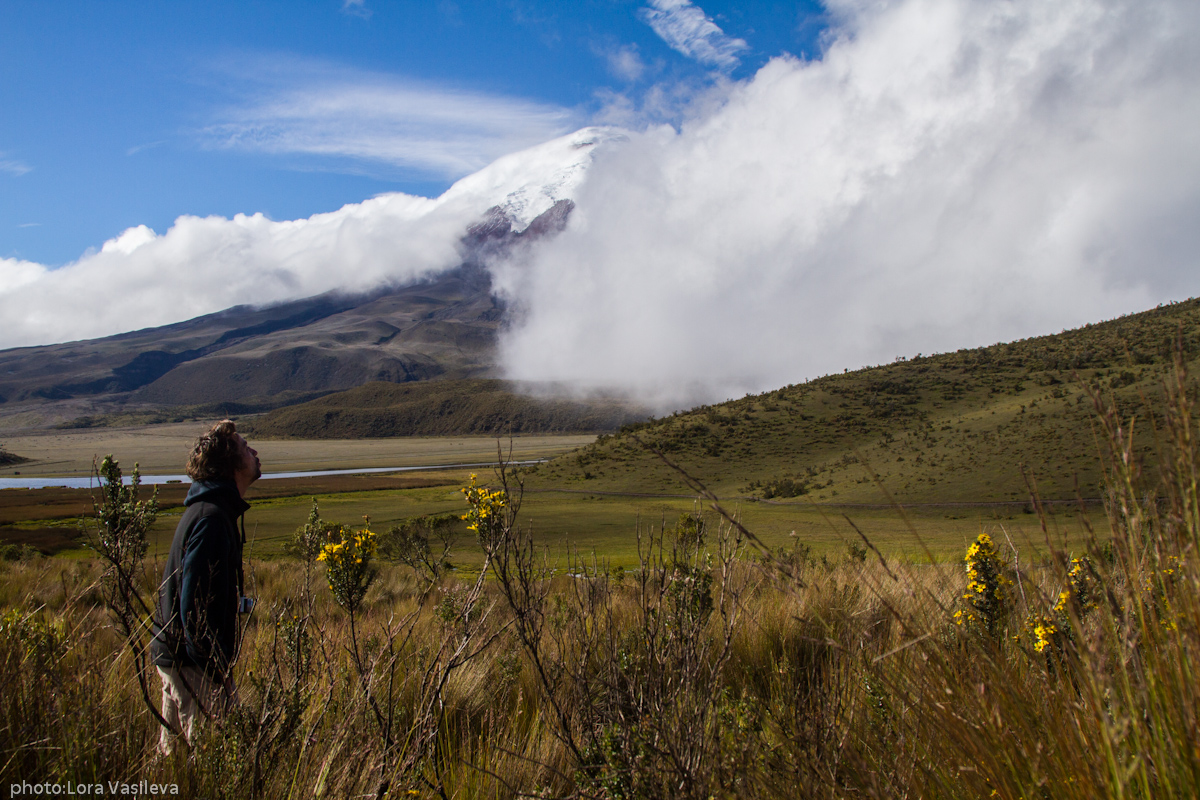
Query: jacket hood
x=221, y=493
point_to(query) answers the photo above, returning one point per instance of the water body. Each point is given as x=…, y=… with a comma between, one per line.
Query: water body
x=155, y=480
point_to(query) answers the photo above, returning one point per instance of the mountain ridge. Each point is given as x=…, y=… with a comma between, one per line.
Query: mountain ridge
x=444, y=326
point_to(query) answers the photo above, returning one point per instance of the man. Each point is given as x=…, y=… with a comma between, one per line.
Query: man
x=196, y=631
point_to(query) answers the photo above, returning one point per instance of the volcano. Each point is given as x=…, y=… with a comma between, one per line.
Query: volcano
x=442, y=324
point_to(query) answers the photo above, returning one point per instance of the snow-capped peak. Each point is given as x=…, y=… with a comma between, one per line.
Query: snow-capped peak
x=526, y=184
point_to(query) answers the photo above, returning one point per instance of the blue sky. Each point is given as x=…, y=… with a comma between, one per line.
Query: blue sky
x=116, y=114
x=875, y=179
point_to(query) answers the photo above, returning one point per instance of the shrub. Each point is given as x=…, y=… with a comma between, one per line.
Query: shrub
x=348, y=565
x=989, y=594
x=421, y=543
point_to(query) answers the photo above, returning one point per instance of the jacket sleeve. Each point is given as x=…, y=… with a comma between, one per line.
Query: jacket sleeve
x=208, y=596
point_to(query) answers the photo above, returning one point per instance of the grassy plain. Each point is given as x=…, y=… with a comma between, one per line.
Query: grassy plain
x=163, y=449
x=608, y=525
x=562, y=518
x=700, y=675
x=48, y=519
x=562, y=521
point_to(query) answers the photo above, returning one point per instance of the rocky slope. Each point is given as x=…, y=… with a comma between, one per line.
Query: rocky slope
x=433, y=408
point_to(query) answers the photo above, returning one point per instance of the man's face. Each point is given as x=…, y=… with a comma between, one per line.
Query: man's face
x=249, y=468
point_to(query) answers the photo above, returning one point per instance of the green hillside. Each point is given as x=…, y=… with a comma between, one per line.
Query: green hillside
x=954, y=427
x=433, y=408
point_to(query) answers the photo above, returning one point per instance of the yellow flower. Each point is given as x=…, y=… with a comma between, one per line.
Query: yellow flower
x=1042, y=632
x=1063, y=597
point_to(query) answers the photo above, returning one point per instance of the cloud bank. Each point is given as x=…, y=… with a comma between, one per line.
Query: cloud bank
x=202, y=265
x=951, y=173
x=141, y=279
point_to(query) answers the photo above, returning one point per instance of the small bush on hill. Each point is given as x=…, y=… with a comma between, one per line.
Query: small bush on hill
x=17, y=552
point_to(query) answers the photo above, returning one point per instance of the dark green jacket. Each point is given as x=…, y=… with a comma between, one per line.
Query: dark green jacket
x=202, y=582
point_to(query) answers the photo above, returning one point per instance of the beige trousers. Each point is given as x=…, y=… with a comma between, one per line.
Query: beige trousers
x=189, y=694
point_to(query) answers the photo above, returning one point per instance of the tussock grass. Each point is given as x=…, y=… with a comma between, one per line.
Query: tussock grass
x=710, y=670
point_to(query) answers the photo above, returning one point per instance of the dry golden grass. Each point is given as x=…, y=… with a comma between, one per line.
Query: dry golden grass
x=710, y=671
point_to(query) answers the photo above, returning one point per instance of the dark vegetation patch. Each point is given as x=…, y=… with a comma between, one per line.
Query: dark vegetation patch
x=288, y=371
x=959, y=426
x=8, y=459
x=18, y=544
x=439, y=408
x=186, y=413
x=340, y=484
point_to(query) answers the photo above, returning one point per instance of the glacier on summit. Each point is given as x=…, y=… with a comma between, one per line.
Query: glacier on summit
x=528, y=183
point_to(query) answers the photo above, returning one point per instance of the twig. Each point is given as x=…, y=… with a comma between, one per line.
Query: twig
x=699, y=488
x=870, y=544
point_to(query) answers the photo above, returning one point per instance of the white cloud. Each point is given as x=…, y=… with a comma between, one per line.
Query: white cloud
x=204, y=264
x=357, y=8
x=15, y=273
x=688, y=30
x=625, y=62
x=338, y=113
x=952, y=173
x=13, y=167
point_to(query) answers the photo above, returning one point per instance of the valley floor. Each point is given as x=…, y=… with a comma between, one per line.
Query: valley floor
x=164, y=448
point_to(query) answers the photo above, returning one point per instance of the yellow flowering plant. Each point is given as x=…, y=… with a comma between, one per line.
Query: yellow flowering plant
x=348, y=566
x=1042, y=632
x=1083, y=588
x=988, y=596
x=487, y=515
x=1162, y=584
x=1047, y=632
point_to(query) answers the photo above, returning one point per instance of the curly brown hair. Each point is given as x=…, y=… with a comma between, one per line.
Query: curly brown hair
x=216, y=455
